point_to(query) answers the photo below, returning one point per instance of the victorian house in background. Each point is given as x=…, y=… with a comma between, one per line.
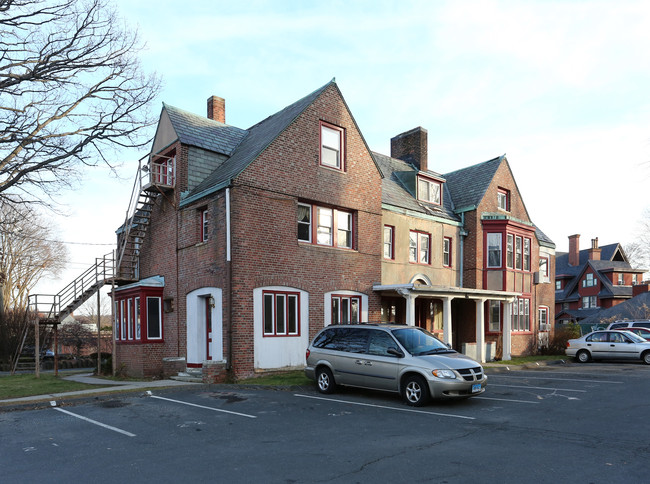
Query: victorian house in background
x=240, y=244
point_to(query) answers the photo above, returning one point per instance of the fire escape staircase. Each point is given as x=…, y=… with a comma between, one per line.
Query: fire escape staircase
x=152, y=180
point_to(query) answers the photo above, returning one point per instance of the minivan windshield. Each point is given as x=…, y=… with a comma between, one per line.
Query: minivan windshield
x=419, y=342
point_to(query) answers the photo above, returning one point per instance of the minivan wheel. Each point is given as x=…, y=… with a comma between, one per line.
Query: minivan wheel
x=583, y=356
x=325, y=380
x=415, y=391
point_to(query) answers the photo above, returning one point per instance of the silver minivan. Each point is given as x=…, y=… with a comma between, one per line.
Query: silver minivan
x=394, y=358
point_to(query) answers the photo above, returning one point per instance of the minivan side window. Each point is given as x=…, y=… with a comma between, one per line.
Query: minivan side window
x=619, y=325
x=379, y=343
x=353, y=340
x=644, y=324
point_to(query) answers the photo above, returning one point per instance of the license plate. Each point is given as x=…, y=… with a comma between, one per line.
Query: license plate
x=476, y=388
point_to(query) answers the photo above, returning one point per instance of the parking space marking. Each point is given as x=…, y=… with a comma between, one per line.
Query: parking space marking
x=115, y=429
x=411, y=410
x=506, y=400
x=555, y=379
x=203, y=406
x=538, y=388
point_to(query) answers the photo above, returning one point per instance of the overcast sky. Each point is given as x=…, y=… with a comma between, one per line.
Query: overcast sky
x=562, y=88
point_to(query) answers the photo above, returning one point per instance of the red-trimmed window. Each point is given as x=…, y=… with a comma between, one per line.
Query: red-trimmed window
x=332, y=146
x=494, y=241
x=138, y=316
x=503, y=199
x=429, y=190
x=519, y=243
x=419, y=247
x=527, y=255
x=389, y=242
x=346, y=309
x=589, y=280
x=326, y=226
x=446, y=251
x=281, y=313
x=204, y=224
x=510, y=250
x=494, y=323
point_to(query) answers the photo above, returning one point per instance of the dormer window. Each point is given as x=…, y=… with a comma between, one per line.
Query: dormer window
x=503, y=199
x=332, y=144
x=429, y=190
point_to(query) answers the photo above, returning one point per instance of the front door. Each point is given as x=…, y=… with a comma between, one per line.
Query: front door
x=208, y=328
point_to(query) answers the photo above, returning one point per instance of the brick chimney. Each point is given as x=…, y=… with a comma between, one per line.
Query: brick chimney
x=217, y=109
x=574, y=250
x=411, y=147
x=594, y=252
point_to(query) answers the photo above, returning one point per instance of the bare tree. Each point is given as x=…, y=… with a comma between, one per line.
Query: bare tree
x=28, y=253
x=76, y=335
x=638, y=251
x=71, y=90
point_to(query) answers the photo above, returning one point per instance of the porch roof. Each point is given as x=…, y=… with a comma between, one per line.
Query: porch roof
x=445, y=291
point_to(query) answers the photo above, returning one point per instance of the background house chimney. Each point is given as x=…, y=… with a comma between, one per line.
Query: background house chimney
x=574, y=250
x=217, y=109
x=411, y=147
x=594, y=252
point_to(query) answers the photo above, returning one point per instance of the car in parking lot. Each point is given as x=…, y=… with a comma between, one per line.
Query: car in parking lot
x=614, y=345
x=643, y=332
x=641, y=323
x=396, y=358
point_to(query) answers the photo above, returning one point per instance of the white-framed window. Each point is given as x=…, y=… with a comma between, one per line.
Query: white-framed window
x=543, y=267
x=123, y=320
x=154, y=318
x=589, y=280
x=558, y=285
x=446, y=251
x=503, y=199
x=332, y=146
x=333, y=227
x=542, y=312
x=136, y=318
x=204, y=225
x=389, y=242
x=518, y=252
x=494, y=325
x=589, y=302
x=621, y=279
x=345, y=309
x=510, y=251
x=129, y=318
x=527, y=255
x=429, y=190
x=419, y=247
x=281, y=313
x=116, y=320
x=494, y=250
x=521, y=314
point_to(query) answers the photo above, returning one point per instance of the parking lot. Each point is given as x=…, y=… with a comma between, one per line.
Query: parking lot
x=582, y=423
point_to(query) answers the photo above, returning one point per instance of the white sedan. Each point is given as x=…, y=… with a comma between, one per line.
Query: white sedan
x=615, y=345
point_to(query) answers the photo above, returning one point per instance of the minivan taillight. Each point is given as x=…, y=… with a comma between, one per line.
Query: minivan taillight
x=307, y=353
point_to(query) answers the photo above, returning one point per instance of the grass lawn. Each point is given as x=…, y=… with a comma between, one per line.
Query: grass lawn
x=521, y=360
x=26, y=385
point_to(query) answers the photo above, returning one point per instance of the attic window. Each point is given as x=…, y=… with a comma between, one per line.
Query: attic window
x=332, y=144
x=429, y=190
x=503, y=199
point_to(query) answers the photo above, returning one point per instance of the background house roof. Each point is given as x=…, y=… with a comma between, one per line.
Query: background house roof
x=637, y=307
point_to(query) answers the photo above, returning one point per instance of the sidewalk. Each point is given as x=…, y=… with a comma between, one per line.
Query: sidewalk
x=108, y=386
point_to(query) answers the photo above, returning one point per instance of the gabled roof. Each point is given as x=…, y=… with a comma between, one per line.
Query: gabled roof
x=467, y=186
x=607, y=289
x=637, y=307
x=203, y=132
x=396, y=192
x=607, y=253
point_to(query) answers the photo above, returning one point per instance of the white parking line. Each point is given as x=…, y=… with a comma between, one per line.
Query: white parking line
x=115, y=429
x=555, y=379
x=538, y=388
x=382, y=406
x=506, y=400
x=203, y=406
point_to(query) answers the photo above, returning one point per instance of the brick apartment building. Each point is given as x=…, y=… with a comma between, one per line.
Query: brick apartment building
x=242, y=244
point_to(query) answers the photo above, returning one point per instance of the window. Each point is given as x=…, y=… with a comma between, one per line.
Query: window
x=331, y=152
x=503, y=199
x=379, y=342
x=419, y=247
x=136, y=318
x=494, y=250
x=589, y=302
x=521, y=315
x=527, y=255
x=122, y=320
x=543, y=267
x=389, y=242
x=495, y=317
x=510, y=251
x=621, y=279
x=543, y=318
x=446, y=251
x=129, y=318
x=589, y=280
x=558, y=285
x=566, y=306
x=333, y=227
x=429, y=190
x=162, y=170
x=154, y=319
x=204, y=225
x=346, y=309
x=518, y=252
x=281, y=313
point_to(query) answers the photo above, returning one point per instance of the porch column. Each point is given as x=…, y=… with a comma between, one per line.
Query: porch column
x=507, y=329
x=446, y=320
x=410, y=306
x=480, y=330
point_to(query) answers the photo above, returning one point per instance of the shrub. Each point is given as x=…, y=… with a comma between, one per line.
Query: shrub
x=563, y=333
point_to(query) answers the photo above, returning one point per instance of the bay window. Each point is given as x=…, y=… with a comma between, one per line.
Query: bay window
x=494, y=250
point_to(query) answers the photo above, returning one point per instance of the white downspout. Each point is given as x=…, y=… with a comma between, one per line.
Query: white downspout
x=228, y=224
